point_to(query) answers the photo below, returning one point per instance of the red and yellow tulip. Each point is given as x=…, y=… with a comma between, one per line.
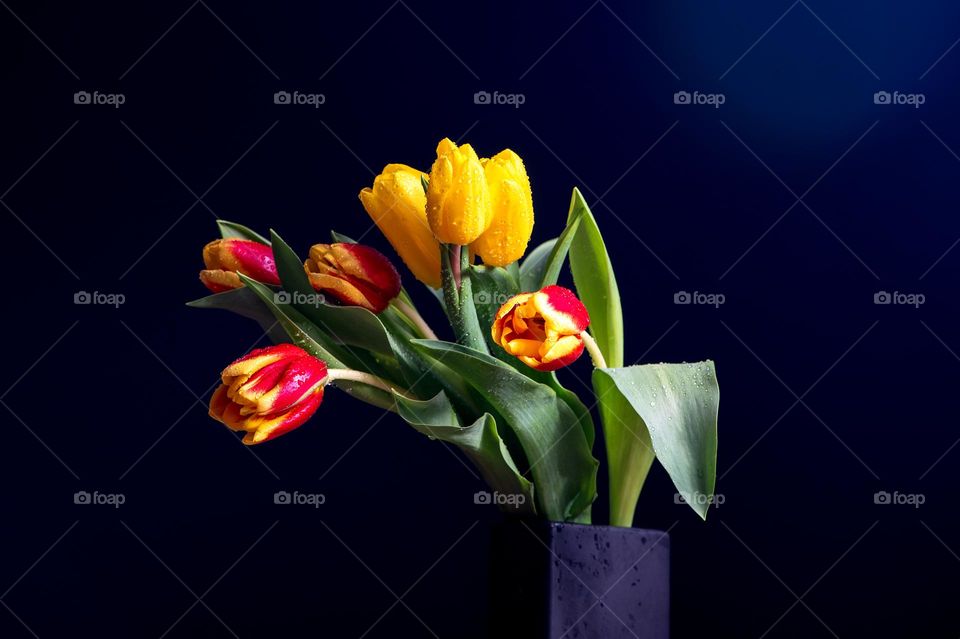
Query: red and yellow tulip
x=542, y=329
x=354, y=274
x=269, y=392
x=223, y=259
x=398, y=206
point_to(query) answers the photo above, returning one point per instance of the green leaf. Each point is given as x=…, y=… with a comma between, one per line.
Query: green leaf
x=492, y=288
x=551, y=272
x=595, y=282
x=311, y=339
x=350, y=325
x=479, y=441
x=245, y=303
x=340, y=237
x=425, y=183
x=534, y=265
x=563, y=469
x=672, y=407
x=353, y=325
x=232, y=229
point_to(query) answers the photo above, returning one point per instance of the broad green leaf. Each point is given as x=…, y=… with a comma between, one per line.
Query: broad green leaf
x=232, y=229
x=479, y=441
x=563, y=469
x=304, y=334
x=531, y=271
x=596, y=284
x=492, y=288
x=245, y=303
x=629, y=450
x=676, y=404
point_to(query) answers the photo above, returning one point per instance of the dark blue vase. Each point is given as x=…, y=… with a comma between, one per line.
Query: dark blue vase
x=552, y=580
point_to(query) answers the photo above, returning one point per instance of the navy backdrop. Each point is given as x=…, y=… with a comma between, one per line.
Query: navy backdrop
x=810, y=166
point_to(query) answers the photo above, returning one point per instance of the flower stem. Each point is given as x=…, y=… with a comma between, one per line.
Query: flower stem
x=593, y=349
x=335, y=374
x=415, y=317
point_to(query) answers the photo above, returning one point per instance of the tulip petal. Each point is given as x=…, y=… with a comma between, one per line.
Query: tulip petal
x=269, y=391
x=542, y=329
x=225, y=258
x=397, y=205
x=458, y=199
x=511, y=201
x=354, y=274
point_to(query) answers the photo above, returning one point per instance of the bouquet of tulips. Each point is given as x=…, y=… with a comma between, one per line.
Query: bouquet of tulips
x=488, y=385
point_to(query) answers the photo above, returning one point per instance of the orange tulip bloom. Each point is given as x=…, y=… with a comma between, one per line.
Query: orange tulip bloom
x=542, y=329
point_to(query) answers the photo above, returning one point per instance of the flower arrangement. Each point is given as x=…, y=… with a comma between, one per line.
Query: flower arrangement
x=341, y=318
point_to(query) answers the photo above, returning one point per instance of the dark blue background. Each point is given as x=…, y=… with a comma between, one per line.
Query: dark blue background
x=690, y=198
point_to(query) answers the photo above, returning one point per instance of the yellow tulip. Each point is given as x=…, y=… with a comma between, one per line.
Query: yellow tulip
x=397, y=204
x=506, y=239
x=458, y=200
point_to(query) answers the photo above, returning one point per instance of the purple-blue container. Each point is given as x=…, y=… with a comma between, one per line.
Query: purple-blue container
x=551, y=580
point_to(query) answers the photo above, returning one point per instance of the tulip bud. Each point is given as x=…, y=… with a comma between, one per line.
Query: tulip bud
x=505, y=241
x=269, y=392
x=398, y=206
x=542, y=329
x=225, y=258
x=458, y=200
x=354, y=274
